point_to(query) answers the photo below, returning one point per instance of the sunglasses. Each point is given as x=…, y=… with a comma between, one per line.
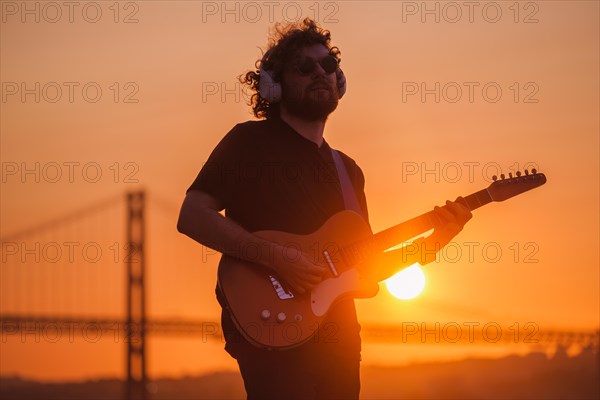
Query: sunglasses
x=307, y=66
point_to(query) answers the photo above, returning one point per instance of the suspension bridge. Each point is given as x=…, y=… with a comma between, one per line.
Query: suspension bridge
x=87, y=273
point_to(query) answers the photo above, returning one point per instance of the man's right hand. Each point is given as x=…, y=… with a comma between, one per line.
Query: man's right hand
x=200, y=219
x=296, y=268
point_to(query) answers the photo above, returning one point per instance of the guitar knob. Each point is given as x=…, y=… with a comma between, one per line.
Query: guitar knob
x=281, y=317
x=265, y=315
x=494, y=178
x=510, y=175
x=518, y=174
x=534, y=171
x=501, y=176
x=526, y=172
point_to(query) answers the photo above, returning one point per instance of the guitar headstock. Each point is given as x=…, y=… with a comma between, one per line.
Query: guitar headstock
x=507, y=187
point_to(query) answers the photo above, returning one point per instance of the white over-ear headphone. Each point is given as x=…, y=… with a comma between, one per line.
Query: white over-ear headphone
x=270, y=90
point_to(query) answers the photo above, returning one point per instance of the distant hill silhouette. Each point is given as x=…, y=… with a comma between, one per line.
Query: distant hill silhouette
x=515, y=377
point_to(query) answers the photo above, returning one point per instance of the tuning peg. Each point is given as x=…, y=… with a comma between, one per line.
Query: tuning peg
x=534, y=171
x=494, y=178
x=518, y=174
x=510, y=175
x=526, y=172
x=501, y=176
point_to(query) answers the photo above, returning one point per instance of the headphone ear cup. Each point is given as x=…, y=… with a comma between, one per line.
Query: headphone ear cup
x=341, y=82
x=268, y=88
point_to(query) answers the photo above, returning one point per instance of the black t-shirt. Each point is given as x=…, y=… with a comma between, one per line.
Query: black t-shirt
x=269, y=177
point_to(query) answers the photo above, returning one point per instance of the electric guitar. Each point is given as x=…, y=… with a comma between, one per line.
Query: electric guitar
x=269, y=314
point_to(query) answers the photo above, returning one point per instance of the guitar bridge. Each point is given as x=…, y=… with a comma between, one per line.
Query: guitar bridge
x=281, y=292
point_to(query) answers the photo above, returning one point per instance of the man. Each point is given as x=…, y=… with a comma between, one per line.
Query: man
x=280, y=174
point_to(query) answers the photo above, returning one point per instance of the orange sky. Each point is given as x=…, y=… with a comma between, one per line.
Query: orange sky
x=544, y=57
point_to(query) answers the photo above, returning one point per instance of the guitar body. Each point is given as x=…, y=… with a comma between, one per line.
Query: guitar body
x=267, y=312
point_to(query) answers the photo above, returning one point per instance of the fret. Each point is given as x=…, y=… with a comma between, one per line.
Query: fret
x=472, y=202
x=478, y=199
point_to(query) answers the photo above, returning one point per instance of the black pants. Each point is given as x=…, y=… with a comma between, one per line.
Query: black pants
x=301, y=373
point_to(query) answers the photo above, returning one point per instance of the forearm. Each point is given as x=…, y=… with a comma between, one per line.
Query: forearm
x=200, y=220
x=211, y=229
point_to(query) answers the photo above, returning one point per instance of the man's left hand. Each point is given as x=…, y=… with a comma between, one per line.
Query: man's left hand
x=453, y=217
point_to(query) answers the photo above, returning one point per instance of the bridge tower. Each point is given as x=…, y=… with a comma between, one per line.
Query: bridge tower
x=135, y=328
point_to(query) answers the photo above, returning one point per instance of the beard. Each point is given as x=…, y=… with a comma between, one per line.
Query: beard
x=315, y=103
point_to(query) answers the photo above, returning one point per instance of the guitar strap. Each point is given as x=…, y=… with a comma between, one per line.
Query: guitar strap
x=350, y=199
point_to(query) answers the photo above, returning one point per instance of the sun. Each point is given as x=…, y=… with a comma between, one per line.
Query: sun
x=407, y=284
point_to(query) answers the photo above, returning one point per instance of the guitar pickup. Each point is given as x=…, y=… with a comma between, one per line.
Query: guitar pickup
x=330, y=263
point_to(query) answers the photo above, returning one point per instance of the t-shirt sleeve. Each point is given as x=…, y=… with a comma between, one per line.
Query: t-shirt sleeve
x=219, y=176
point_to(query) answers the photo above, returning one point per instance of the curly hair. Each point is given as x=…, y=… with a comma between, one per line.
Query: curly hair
x=284, y=44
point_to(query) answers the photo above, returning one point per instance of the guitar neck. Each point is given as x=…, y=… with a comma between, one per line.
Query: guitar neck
x=390, y=237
